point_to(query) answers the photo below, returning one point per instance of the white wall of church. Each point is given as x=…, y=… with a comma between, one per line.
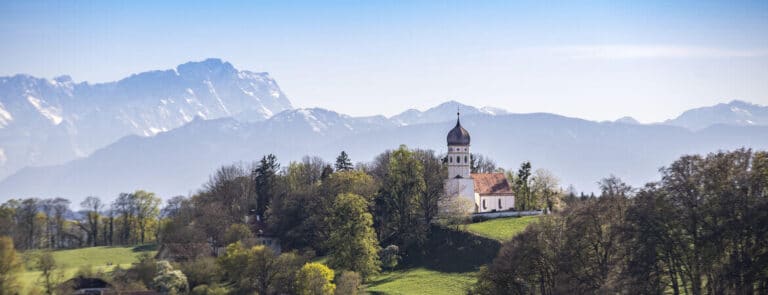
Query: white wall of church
x=494, y=203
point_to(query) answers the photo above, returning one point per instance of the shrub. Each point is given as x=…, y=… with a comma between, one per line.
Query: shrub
x=168, y=279
x=348, y=283
x=315, y=279
x=390, y=256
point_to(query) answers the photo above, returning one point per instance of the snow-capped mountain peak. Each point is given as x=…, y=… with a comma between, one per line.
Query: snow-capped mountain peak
x=72, y=119
x=736, y=112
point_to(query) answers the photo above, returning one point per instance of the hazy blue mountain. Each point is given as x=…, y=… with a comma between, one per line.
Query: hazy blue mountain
x=627, y=120
x=179, y=161
x=44, y=122
x=736, y=112
x=441, y=113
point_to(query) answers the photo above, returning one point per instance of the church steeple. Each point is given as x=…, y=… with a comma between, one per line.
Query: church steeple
x=458, y=135
x=458, y=151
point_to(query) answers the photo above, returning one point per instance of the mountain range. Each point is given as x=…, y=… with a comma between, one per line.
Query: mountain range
x=46, y=122
x=167, y=131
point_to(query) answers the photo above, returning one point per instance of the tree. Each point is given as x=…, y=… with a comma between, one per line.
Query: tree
x=524, y=198
x=343, y=163
x=147, y=212
x=400, y=218
x=259, y=269
x=481, y=164
x=91, y=209
x=390, y=256
x=352, y=243
x=455, y=210
x=231, y=187
x=434, y=175
x=50, y=278
x=264, y=177
x=10, y=266
x=124, y=210
x=544, y=186
x=26, y=219
x=238, y=232
x=349, y=283
x=315, y=279
x=168, y=280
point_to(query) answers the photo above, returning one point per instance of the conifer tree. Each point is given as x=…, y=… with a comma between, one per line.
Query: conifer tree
x=343, y=163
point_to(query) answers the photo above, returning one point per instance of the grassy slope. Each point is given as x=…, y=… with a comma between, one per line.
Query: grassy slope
x=501, y=229
x=420, y=280
x=71, y=260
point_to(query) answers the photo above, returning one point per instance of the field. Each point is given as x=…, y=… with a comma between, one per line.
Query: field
x=70, y=261
x=429, y=275
x=448, y=269
x=421, y=281
x=501, y=229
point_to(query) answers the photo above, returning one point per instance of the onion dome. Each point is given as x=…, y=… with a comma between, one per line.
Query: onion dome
x=458, y=135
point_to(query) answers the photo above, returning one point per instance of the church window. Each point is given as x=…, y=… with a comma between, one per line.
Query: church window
x=484, y=205
x=450, y=159
x=465, y=159
x=499, y=203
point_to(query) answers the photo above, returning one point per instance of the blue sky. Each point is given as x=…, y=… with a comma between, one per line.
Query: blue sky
x=590, y=59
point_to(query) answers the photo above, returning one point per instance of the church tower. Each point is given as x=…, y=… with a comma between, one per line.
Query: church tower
x=460, y=183
x=458, y=152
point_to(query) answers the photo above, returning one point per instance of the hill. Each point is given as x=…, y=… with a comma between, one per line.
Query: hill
x=502, y=229
x=450, y=264
x=70, y=261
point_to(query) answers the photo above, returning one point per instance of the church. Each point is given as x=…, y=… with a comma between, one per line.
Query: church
x=489, y=192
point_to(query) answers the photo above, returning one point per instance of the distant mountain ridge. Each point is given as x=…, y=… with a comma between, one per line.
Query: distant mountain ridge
x=45, y=122
x=179, y=161
x=736, y=112
x=166, y=131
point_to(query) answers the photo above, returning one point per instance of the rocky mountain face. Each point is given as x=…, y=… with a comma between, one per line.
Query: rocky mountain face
x=45, y=122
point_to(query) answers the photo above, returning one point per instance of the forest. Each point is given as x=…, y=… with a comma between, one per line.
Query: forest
x=700, y=229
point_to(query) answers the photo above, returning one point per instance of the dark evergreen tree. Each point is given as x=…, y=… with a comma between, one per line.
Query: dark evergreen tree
x=264, y=177
x=343, y=163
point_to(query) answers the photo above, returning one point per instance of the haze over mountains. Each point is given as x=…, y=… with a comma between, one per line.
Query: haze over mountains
x=44, y=122
x=166, y=131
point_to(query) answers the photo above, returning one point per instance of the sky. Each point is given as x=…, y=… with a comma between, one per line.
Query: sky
x=597, y=60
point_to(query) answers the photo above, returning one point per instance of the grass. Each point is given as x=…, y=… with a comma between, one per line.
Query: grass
x=71, y=260
x=501, y=229
x=421, y=281
x=450, y=267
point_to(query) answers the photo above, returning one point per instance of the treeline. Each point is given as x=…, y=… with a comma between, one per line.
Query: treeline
x=701, y=229
x=133, y=218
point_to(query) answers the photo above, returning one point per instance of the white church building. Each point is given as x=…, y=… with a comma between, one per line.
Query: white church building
x=489, y=191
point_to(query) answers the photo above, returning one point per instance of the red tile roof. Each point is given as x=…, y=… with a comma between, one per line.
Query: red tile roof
x=491, y=184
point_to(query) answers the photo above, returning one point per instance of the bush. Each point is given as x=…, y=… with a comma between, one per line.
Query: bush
x=239, y=232
x=201, y=271
x=10, y=266
x=390, y=256
x=348, y=283
x=315, y=279
x=209, y=290
x=168, y=279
